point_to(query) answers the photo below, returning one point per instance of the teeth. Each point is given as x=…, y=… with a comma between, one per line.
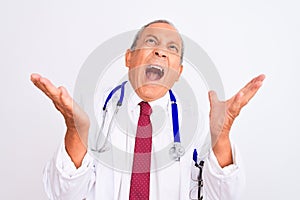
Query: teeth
x=157, y=67
x=154, y=72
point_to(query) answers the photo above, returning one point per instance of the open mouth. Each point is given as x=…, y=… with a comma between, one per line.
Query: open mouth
x=154, y=72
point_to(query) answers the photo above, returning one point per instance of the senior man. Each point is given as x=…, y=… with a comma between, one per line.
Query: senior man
x=155, y=64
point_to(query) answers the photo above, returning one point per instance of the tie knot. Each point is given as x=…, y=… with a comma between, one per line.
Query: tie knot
x=145, y=108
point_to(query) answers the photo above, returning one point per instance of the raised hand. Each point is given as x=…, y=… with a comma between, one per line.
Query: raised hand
x=76, y=119
x=223, y=114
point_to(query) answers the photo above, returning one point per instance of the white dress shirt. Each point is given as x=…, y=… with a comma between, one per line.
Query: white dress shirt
x=107, y=175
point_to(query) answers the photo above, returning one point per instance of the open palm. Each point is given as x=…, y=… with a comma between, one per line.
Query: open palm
x=223, y=113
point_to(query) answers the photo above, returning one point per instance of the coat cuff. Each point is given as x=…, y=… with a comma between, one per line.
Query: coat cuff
x=228, y=170
x=67, y=168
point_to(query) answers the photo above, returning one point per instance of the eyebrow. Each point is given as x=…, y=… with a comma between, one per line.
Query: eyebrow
x=150, y=35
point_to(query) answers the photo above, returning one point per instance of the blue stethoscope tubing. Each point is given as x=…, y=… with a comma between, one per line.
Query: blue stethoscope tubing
x=176, y=151
x=105, y=147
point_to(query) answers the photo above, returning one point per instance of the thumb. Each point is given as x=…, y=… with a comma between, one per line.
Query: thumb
x=213, y=98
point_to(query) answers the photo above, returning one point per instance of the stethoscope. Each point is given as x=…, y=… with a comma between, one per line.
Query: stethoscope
x=176, y=151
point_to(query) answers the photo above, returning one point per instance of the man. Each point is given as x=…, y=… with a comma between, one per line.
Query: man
x=155, y=64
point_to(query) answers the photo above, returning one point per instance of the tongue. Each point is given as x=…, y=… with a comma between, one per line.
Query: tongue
x=152, y=76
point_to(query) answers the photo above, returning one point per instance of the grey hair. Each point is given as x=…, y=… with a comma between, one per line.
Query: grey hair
x=138, y=34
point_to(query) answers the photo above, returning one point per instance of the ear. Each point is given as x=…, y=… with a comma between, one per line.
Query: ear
x=180, y=71
x=128, y=57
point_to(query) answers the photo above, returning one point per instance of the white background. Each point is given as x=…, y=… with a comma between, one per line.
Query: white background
x=243, y=38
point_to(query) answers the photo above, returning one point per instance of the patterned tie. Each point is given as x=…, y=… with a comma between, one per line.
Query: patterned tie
x=140, y=177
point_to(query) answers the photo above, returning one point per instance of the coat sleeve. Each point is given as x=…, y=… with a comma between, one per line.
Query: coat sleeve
x=225, y=183
x=63, y=181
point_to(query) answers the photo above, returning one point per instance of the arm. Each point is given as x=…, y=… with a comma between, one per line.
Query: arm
x=222, y=116
x=76, y=119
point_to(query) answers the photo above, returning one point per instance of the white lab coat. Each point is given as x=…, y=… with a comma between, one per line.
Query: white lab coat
x=99, y=179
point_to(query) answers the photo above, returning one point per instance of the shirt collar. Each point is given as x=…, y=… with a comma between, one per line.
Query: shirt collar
x=134, y=100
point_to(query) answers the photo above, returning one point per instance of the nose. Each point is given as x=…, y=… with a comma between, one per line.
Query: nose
x=160, y=53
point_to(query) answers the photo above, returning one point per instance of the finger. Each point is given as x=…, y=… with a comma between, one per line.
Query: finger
x=253, y=81
x=252, y=88
x=34, y=77
x=261, y=77
x=46, y=86
x=252, y=85
x=52, y=91
x=251, y=92
x=256, y=81
x=65, y=97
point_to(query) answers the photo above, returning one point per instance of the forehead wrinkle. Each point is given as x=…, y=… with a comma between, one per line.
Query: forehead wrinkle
x=151, y=35
x=174, y=38
x=162, y=26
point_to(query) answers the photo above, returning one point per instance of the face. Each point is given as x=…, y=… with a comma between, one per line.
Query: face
x=155, y=64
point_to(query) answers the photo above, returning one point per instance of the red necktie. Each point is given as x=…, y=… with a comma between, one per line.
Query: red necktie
x=140, y=177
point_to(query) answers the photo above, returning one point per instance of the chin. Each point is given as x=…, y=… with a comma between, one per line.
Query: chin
x=151, y=92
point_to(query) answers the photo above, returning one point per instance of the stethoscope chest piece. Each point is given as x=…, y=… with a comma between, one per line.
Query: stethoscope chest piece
x=176, y=151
